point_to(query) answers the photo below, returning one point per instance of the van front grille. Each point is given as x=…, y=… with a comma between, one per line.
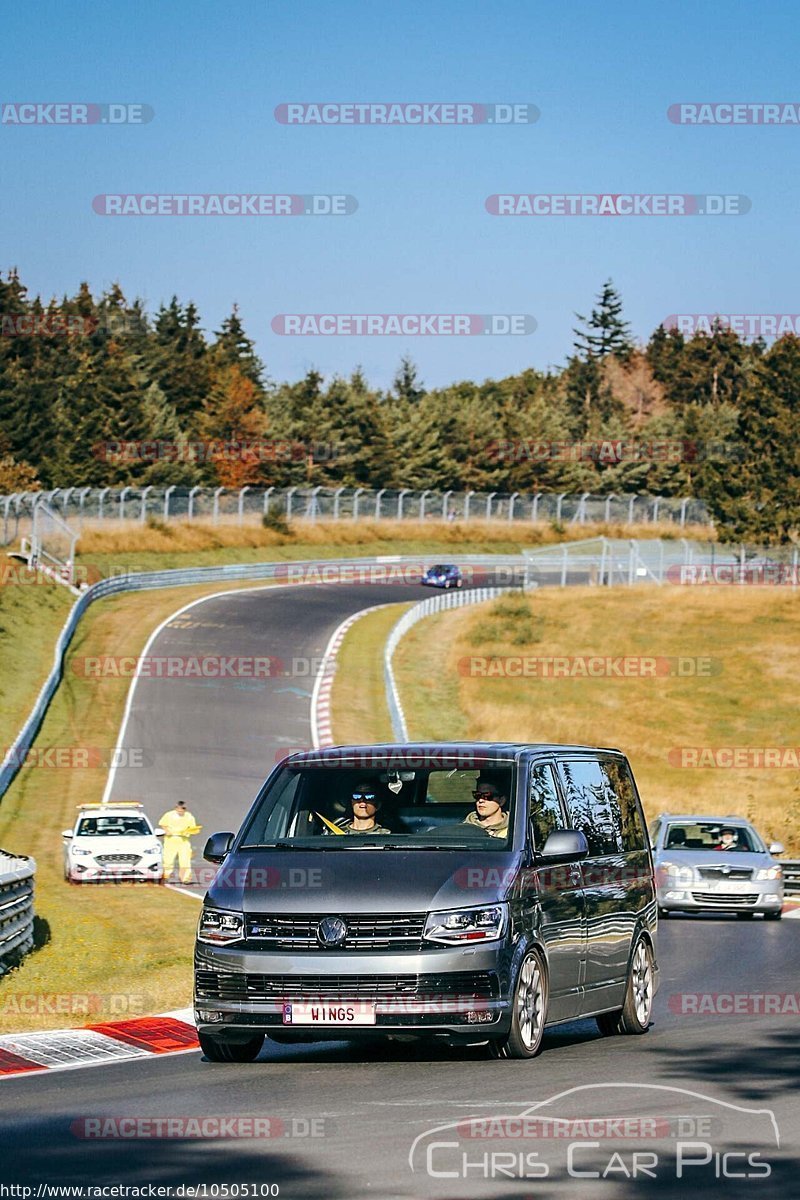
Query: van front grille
x=365, y=931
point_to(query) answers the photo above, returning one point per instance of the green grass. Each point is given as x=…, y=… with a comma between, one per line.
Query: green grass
x=31, y=618
x=358, y=696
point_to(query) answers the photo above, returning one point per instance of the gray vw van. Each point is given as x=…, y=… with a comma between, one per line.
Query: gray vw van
x=469, y=891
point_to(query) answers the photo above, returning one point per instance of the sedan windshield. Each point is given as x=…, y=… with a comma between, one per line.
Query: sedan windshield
x=113, y=827
x=712, y=835
x=343, y=807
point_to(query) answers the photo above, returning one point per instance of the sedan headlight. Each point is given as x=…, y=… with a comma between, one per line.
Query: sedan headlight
x=769, y=873
x=677, y=874
x=466, y=924
x=220, y=927
x=76, y=850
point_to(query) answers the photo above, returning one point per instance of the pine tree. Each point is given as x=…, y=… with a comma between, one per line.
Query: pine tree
x=605, y=331
x=233, y=347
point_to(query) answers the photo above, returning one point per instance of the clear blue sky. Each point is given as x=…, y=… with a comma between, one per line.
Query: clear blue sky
x=602, y=75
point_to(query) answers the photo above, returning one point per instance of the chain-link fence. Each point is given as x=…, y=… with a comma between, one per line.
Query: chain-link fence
x=247, y=504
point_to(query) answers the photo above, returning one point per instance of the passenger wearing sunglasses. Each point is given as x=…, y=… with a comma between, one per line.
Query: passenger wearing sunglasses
x=365, y=802
x=490, y=814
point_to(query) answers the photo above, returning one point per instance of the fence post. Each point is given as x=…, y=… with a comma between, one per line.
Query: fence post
x=289, y=498
x=631, y=553
x=564, y=565
x=559, y=502
x=217, y=495
x=143, y=513
x=611, y=496
x=378, y=499
x=192, y=493
x=683, y=513
x=122, y=496
x=103, y=493
x=489, y=500
x=242, y=492
x=167, y=493
x=535, y=509
x=422, y=500
x=356, y=495
x=511, y=501
x=467, y=498
x=446, y=504
x=267, y=493
x=400, y=495
x=633, y=500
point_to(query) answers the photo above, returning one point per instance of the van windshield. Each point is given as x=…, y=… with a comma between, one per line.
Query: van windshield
x=344, y=807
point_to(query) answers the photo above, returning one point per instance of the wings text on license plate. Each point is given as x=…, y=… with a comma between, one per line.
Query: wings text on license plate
x=329, y=1013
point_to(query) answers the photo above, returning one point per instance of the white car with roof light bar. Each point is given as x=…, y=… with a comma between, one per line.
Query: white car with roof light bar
x=112, y=841
x=715, y=864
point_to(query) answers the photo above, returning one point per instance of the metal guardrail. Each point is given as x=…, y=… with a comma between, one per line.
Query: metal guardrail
x=425, y=608
x=791, y=876
x=80, y=504
x=16, y=907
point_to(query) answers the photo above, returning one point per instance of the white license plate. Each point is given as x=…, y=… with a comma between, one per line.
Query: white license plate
x=328, y=1013
x=730, y=888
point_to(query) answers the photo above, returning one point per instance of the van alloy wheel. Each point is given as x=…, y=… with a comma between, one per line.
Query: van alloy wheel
x=637, y=1008
x=528, y=1011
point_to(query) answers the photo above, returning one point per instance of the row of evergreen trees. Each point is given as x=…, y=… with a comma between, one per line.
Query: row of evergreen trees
x=79, y=375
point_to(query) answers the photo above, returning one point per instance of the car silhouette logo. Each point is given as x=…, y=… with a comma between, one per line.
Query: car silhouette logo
x=331, y=931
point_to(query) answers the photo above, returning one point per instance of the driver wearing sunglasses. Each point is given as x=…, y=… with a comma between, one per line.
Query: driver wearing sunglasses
x=365, y=802
x=490, y=814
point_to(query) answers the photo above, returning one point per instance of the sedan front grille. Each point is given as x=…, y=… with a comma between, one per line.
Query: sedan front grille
x=725, y=899
x=129, y=859
x=715, y=874
x=365, y=931
x=229, y=985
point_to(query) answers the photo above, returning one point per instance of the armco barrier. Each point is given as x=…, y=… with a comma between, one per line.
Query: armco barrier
x=791, y=876
x=16, y=907
x=424, y=609
x=187, y=576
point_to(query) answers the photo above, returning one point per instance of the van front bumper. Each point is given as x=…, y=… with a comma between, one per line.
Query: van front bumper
x=455, y=991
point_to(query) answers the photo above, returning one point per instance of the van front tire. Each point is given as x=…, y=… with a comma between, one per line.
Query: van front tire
x=217, y=1050
x=637, y=1008
x=528, y=1011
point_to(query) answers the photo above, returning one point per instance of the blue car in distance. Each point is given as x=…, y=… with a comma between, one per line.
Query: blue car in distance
x=443, y=575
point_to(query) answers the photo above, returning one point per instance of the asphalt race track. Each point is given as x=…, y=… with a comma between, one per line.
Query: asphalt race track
x=721, y=1086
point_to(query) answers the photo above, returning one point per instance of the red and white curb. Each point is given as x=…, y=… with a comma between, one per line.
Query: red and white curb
x=97, y=1045
x=321, y=720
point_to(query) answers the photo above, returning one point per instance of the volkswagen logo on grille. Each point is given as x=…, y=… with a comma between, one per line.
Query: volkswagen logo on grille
x=331, y=931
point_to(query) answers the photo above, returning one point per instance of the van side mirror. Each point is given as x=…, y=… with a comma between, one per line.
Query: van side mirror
x=776, y=848
x=217, y=847
x=67, y=833
x=566, y=845
x=160, y=832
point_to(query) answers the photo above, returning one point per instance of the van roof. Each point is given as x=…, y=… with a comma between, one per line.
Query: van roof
x=497, y=751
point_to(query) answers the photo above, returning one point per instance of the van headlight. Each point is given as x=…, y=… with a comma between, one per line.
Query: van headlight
x=466, y=924
x=769, y=873
x=220, y=927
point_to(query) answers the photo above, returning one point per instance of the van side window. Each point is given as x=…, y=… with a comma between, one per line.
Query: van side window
x=632, y=828
x=545, y=806
x=592, y=803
